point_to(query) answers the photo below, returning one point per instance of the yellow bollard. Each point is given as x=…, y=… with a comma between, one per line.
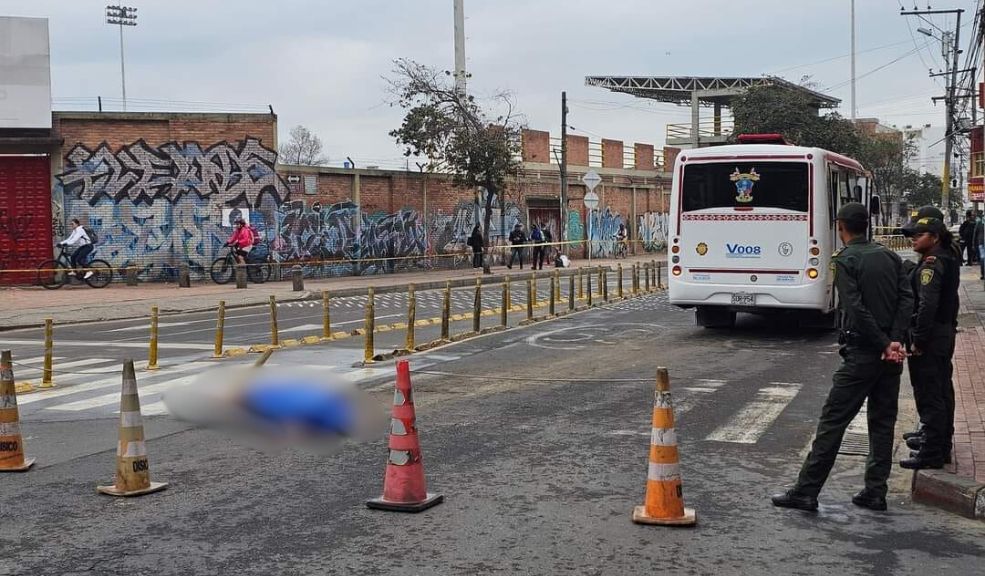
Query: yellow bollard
x=635, y=281
x=553, y=300
x=660, y=280
x=581, y=285
x=274, y=333
x=152, y=354
x=46, y=381
x=533, y=278
x=411, y=317
x=589, y=275
x=557, y=284
x=619, y=291
x=646, y=270
x=477, y=307
x=220, y=330
x=369, y=349
x=326, y=315
x=506, y=302
x=604, y=285
x=530, y=299
x=571, y=292
x=446, y=312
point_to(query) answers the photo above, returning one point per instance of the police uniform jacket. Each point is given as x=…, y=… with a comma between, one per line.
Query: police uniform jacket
x=935, y=286
x=874, y=296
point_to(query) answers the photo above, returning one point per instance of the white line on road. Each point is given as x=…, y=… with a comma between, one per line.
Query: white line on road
x=114, y=397
x=146, y=327
x=755, y=418
x=115, y=380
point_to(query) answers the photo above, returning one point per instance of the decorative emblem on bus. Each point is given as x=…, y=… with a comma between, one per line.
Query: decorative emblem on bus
x=701, y=249
x=744, y=181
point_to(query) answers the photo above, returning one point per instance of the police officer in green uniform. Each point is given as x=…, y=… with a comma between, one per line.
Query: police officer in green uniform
x=931, y=339
x=875, y=303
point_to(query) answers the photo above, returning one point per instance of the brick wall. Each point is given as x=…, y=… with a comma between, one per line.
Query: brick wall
x=158, y=186
x=612, y=153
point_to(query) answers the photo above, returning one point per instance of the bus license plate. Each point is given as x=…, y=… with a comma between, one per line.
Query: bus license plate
x=743, y=299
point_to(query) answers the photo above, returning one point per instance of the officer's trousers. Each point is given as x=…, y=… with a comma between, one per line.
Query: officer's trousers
x=933, y=391
x=862, y=375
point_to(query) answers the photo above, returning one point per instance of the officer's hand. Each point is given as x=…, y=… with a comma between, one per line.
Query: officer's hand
x=894, y=353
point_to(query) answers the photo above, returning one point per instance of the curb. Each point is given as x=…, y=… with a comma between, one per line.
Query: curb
x=950, y=492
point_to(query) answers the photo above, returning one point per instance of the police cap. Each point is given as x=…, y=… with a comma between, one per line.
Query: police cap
x=928, y=219
x=853, y=212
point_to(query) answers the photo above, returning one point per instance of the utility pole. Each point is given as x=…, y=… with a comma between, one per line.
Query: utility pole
x=949, y=132
x=460, y=74
x=564, y=167
x=853, y=61
x=123, y=16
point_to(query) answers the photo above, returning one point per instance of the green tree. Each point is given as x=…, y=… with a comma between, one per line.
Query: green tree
x=454, y=132
x=776, y=109
x=886, y=156
x=925, y=190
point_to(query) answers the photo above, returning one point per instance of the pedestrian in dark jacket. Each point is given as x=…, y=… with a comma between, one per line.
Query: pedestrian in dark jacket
x=966, y=233
x=979, y=243
x=517, y=240
x=537, y=239
x=476, y=243
x=875, y=302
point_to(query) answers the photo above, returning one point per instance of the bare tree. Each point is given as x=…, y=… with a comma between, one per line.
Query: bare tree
x=452, y=130
x=303, y=148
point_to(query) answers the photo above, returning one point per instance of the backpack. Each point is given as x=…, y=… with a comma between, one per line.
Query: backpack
x=536, y=236
x=255, y=234
x=93, y=237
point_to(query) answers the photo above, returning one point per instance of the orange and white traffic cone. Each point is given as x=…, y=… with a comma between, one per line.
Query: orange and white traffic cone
x=11, y=444
x=664, y=504
x=404, y=487
x=132, y=469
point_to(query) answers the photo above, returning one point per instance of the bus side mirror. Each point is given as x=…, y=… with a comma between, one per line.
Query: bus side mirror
x=875, y=206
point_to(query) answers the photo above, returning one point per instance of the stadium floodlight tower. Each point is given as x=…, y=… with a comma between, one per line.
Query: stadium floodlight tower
x=122, y=16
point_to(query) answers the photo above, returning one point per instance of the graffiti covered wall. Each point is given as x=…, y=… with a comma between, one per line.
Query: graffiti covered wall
x=604, y=225
x=160, y=207
x=653, y=231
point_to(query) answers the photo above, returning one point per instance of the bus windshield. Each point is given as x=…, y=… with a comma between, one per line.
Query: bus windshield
x=740, y=184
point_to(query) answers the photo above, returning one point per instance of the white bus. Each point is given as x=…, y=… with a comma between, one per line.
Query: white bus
x=752, y=228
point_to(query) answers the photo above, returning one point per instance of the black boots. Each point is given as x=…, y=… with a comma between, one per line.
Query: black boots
x=794, y=499
x=866, y=500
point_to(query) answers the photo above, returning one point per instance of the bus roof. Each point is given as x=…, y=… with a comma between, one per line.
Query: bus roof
x=765, y=152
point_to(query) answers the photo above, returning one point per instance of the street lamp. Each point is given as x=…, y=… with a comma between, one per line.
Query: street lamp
x=925, y=32
x=124, y=16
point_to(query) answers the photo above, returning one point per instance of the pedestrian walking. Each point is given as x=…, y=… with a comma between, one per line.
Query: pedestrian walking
x=966, y=233
x=979, y=242
x=932, y=336
x=476, y=242
x=875, y=302
x=537, y=239
x=549, y=247
x=517, y=240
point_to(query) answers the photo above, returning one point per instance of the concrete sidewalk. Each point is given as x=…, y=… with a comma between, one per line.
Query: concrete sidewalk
x=27, y=307
x=960, y=486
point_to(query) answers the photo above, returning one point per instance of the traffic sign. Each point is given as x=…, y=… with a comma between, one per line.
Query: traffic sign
x=591, y=179
x=591, y=200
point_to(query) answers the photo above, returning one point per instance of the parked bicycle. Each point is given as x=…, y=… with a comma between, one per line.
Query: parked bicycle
x=622, y=248
x=224, y=267
x=53, y=274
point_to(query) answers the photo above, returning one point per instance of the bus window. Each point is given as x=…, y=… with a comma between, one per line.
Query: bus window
x=832, y=194
x=782, y=185
x=843, y=191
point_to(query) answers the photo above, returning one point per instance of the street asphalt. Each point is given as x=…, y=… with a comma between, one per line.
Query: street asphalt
x=537, y=437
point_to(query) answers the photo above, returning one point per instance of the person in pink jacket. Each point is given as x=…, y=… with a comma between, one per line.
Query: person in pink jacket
x=241, y=241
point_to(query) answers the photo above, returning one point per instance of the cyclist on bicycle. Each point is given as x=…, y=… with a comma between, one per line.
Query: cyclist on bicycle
x=621, y=236
x=241, y=241
x=79, y=238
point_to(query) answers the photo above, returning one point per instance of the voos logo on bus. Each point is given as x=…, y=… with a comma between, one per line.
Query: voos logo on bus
x=743, y=251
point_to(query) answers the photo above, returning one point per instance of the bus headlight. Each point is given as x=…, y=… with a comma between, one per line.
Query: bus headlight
x=815, y=251
x=812, y=273
x=814, y=261
x=676, y=271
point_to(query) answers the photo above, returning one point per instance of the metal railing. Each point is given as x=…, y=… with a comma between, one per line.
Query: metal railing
x=706, y=129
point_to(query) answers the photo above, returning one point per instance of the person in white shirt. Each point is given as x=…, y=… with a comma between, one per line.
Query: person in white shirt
x=79, y=238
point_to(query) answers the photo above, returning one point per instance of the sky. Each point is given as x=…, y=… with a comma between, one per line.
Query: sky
x=323, y=64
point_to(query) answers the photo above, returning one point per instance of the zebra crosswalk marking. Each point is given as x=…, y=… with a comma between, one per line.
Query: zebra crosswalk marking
x=114, y=380
x=114, y=397
x=752, y=421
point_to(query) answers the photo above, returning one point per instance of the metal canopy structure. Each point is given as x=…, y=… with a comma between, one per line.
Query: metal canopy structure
x=698, y=92
x=708, y=89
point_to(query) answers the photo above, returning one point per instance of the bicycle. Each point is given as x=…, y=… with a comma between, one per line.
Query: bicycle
x=223, y=268
x=622, y=248
x=53, y=274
